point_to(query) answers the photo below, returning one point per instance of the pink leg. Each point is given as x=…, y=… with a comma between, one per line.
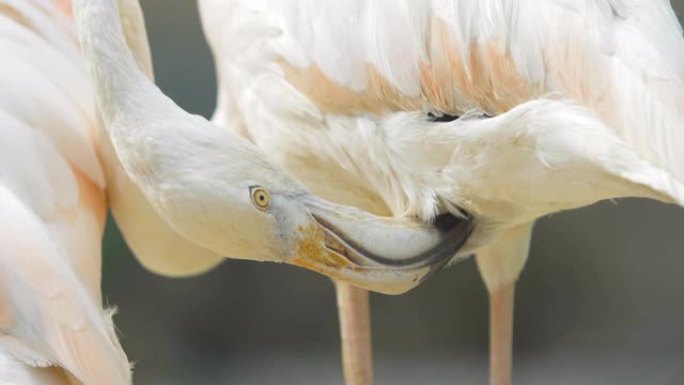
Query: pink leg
x=501, y=334
x=500, y=263
x=354, y=313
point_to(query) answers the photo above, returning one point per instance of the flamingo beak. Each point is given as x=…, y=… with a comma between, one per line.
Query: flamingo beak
x=387, y=255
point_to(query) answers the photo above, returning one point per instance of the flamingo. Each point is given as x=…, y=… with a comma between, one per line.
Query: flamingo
x=59, y=167
x=503, y=110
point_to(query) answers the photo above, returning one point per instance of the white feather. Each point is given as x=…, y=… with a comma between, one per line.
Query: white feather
x=620, y=60
x=52, y=208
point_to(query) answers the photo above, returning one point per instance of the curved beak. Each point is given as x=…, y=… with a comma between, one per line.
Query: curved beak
x=387, y=255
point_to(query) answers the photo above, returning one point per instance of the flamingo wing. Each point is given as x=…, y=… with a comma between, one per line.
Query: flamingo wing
x=52, y=208
x=292, y=73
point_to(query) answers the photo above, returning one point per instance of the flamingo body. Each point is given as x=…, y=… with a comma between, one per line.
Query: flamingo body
x=53, y=329
x=339, y=92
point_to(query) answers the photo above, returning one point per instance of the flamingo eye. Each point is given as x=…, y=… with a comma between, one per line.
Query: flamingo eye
x=260, y=197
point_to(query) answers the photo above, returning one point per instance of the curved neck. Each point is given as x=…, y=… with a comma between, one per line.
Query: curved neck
x=136, y=35
x=112, y=66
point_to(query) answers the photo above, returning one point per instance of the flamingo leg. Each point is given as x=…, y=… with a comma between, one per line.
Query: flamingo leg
x=354, y=314
x=500, y=263
x=501, y=334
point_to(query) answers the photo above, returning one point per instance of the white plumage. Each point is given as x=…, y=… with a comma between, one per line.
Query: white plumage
x=52, y=209
x=331, y=81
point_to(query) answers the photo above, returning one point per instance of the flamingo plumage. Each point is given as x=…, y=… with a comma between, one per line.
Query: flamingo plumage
x=53, y=328
x=502, y=109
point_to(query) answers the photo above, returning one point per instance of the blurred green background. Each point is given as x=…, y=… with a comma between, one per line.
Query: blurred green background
x=600, y=301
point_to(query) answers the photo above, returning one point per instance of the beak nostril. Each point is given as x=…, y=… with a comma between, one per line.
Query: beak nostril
x=335, y=245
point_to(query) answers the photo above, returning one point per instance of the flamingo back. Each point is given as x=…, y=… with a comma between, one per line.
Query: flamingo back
x=300, y=69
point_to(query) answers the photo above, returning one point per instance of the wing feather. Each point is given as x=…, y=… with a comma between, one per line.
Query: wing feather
x=52, y=209
x=51, y=309
x=623, y=59
x=13, y=372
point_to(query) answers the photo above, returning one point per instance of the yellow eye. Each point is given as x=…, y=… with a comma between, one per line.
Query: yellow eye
x=260, y=197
